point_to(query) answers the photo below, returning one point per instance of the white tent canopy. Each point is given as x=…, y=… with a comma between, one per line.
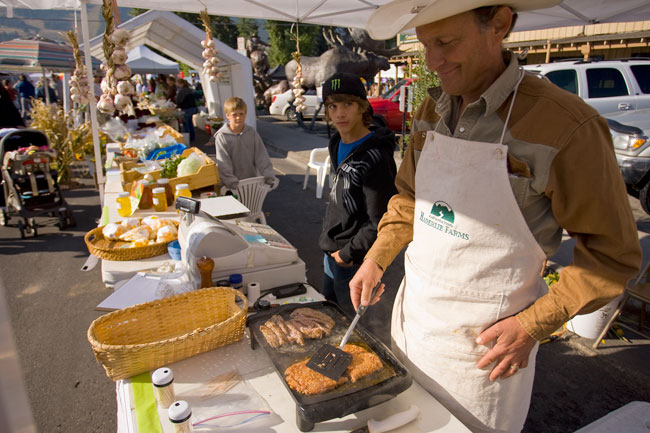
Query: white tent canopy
x=181, y=40
x=355, y=13
x=143, y=60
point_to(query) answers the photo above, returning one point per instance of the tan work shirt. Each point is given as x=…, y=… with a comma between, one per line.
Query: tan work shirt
x=563, y=173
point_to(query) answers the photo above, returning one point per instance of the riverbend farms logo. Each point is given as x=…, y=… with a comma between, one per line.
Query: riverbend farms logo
x=442, y=218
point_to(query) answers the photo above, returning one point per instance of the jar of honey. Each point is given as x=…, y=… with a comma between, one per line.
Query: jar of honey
x=182, y=190
x=163, y=182
x=123, y=204
x=146, y=199
x=159, y=199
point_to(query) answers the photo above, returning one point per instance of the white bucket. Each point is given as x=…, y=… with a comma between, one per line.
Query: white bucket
x=591, y=325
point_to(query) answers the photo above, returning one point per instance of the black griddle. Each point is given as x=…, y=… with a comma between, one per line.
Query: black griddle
x=348, y=398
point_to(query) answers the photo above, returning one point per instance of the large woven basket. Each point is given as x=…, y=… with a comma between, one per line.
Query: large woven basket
x=109, y=249
x=150, y=335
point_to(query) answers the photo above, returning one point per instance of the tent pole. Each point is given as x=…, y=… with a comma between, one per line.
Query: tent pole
x=92, y=105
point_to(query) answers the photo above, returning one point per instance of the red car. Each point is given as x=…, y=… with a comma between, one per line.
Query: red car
x=387, y=105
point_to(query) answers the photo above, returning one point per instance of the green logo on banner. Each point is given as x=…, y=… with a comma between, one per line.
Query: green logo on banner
x=336, y=83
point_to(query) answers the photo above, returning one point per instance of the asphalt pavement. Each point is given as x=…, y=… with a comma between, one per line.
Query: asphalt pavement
x=51, y=304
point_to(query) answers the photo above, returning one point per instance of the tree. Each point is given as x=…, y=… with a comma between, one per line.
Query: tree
x=223, y=30
x=282, y=38
x=247, y=27
x=281, y=43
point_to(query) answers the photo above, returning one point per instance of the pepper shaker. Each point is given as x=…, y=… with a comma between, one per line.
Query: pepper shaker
x=205, y=266
x=179, y=414
x=163, y=386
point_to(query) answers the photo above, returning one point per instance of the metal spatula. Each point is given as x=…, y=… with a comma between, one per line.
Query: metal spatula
x=332, y=361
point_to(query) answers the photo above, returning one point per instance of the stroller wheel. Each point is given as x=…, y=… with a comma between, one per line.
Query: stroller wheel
x=34, y=226
x=71, y=220
x=21, y=227
x=62, y=221
x=4, y=217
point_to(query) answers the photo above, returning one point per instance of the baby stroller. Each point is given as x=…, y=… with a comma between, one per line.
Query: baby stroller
x=28, y=183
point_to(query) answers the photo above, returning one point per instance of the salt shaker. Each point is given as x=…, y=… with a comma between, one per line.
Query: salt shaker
x=179, y=414
x=163, y=386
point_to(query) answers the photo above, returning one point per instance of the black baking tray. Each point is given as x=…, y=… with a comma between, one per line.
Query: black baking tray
x=348, y=398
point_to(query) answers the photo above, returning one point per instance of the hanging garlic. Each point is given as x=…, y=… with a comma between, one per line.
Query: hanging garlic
x=105, y=104
x=122, y=72
x=119, y=56
x=209, y=52
x=299, y=101
x=120, y=37
x=125, y=88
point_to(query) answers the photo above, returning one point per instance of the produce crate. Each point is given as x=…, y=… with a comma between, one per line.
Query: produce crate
x=157, y=333
x=207, y=175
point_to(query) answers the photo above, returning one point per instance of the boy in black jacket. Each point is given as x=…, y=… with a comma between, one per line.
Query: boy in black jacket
x=364, y=182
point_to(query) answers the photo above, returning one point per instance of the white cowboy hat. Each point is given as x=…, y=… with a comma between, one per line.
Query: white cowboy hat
x=399, y=15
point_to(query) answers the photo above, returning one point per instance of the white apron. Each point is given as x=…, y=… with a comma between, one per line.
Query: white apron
x=472, y=262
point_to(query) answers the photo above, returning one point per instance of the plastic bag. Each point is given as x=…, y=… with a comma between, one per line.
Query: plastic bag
x=173, y=282
x=115, y=129
x=189, y=165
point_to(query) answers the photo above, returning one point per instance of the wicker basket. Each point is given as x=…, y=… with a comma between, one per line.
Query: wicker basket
x=150, y=335
x=162, y=111
x=109, y=249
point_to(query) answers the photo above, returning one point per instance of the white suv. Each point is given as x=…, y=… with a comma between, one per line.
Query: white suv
x=608, y=86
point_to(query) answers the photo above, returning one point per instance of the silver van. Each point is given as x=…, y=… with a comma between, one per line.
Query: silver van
x=608, y=86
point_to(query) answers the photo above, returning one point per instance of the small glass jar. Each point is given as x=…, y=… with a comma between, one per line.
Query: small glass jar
x=146, y=199
x=163, y=182
x=182, y=190
x=159, y=199
x=123, y=204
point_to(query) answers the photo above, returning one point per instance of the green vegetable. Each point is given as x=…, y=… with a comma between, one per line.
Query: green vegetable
x=169, y=167
x=552, y=278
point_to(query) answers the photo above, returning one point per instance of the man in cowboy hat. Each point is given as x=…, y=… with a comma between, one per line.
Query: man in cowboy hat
x=498, y=164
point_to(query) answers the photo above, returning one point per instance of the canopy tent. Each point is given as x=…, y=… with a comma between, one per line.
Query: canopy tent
x=37, y=54
x=143, y=60
x=341, y=13
x=355, y=13
x=179, y=39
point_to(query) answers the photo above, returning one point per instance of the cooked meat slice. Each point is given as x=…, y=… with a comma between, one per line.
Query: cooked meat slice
x=319, y=316
x=295, y=333
x=363, y=362
x=270, y=336
x=284, y=338
x=306, y=381
x=310, y=328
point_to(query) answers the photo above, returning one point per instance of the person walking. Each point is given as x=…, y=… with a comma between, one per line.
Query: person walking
x=26, y=92
x=499, y=162
x=186, y=101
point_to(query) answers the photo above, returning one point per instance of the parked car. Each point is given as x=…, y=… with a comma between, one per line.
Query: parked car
x=281, y=105
x=608, y=86
x=630, y=131
x=387, y=105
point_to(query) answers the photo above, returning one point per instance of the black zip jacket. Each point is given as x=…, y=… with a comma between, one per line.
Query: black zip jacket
x=362, y=186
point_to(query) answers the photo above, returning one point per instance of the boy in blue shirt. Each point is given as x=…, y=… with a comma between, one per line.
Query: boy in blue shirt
x=364, y=182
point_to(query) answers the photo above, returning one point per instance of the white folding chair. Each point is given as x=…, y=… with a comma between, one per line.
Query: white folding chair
x=251, y=193
x=322, y=168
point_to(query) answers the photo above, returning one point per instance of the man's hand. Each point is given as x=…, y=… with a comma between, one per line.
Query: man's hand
x=361, y=285
x=511, y=351
x=269, y=180
x=339, y=261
